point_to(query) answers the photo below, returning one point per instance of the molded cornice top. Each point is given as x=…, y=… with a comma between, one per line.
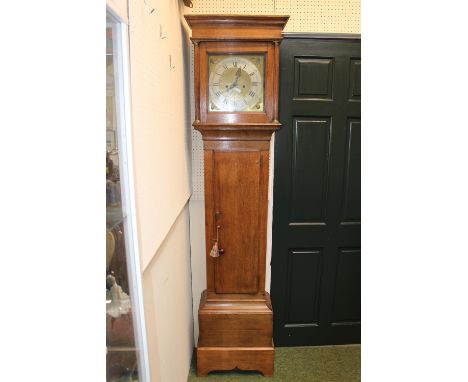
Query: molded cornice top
x=236, y=27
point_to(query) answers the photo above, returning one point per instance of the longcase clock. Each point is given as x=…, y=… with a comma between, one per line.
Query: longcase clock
x=236, y=111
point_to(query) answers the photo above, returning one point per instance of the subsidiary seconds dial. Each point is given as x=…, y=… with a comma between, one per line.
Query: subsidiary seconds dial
x=236, y=83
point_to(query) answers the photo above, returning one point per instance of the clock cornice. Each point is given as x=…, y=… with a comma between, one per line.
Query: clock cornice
x=236, y=27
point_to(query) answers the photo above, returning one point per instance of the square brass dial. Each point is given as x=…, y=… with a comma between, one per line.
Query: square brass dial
x=236, y=82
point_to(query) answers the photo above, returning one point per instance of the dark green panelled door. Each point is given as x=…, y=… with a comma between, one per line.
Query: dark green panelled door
x=316, y=248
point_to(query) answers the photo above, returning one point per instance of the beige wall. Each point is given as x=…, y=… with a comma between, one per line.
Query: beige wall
x=331, y=16
x=161, y=120
x=328, y=16
x=119, y=7
x=161, y=146
x=168, y=305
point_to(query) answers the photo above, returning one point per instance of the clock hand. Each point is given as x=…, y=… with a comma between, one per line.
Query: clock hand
x=238, y=74
x=234, y=84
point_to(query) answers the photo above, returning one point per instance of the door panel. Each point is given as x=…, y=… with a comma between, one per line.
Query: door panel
x=313, y=78
x=304, y=274
x=347, y=295
x=355, y=79
x=352, y=181
x=310, y=169
x=316, y=206
x=236, y=269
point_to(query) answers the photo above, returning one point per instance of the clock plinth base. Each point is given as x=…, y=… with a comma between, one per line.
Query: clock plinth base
x=229, y=358
x=236, y=331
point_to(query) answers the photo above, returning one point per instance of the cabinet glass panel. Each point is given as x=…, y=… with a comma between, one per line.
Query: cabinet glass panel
x=122, y=353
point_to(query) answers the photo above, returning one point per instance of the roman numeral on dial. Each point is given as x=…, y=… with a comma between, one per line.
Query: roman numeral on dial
x=251, y=93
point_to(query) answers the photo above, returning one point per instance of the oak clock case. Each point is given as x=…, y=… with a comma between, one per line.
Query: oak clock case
x=236, y=70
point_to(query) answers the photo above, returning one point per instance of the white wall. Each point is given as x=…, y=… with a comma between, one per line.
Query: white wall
x=161, y=157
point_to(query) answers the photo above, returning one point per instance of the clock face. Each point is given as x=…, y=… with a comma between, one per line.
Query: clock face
x=235, y=83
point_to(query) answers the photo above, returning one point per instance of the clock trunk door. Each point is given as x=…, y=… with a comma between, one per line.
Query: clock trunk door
x=237, y=185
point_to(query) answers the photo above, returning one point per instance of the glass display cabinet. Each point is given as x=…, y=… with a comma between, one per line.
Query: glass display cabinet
x=125, y=331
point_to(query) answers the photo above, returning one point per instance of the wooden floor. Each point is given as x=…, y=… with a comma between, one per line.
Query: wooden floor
x=300, y=364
